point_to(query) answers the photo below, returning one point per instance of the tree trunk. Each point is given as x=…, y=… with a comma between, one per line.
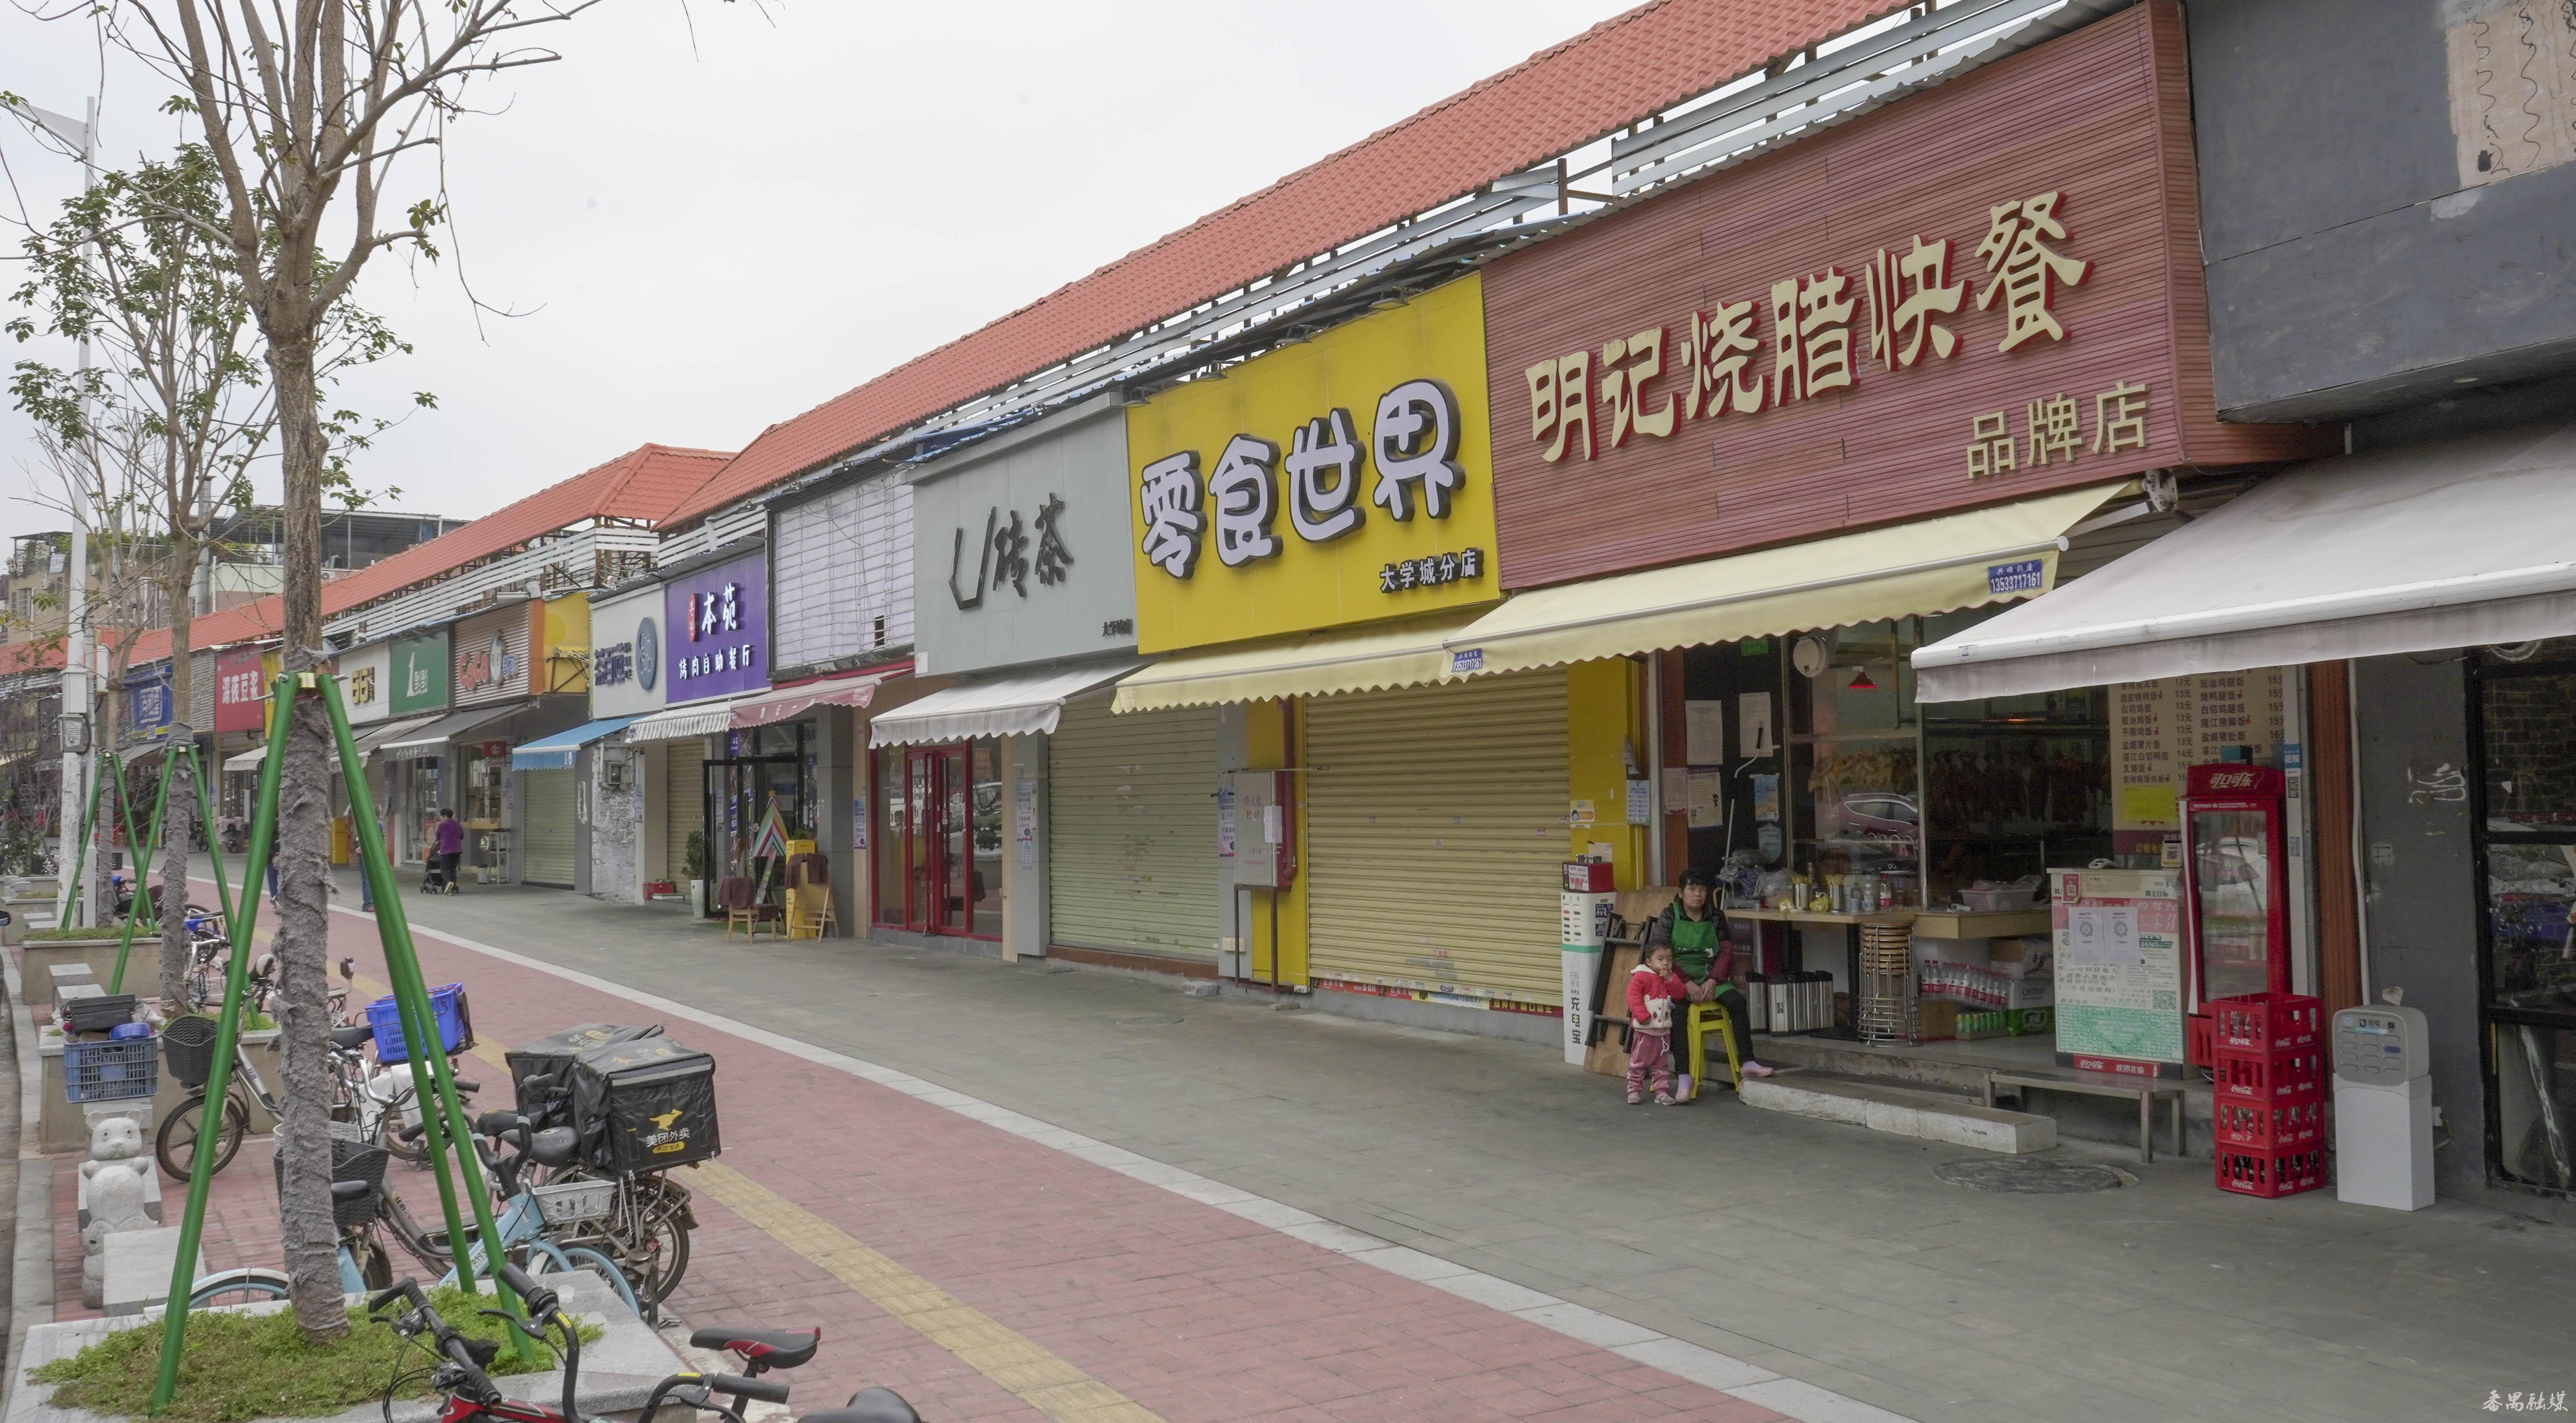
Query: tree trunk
x=304, y=808
x=182, y=814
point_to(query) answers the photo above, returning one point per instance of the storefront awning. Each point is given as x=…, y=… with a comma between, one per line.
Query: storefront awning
x=250, y=760
x=2458, y=543
x=680, y=723
x=1930, y=566
x=431, y=739
x=1027, y=705
x=556, y=752
x=1314, y=665
x=789, y=703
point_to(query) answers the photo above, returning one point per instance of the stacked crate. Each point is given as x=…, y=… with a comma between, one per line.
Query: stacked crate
x=2268, y=1075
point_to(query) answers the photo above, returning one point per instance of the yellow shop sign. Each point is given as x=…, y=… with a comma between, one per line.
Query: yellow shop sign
x=1342, y=480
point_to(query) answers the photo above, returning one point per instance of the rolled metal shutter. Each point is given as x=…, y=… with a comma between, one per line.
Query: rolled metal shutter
x=1435, y=828
x=684, y=805
x=547, y=834
x=1131, y=831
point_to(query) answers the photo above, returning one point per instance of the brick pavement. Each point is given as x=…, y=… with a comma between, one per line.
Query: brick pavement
x=1131, y=1302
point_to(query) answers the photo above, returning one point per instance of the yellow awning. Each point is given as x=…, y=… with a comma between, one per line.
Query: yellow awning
x=1308, y=665
x=1933, y=566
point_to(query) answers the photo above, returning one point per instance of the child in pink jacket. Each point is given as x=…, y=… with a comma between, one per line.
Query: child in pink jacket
x=1653, y=991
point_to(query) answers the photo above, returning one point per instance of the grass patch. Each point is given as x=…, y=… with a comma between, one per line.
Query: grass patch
x=242, y=1366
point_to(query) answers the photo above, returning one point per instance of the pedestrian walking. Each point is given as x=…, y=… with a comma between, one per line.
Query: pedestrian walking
x=1653, y=988
x=451, y=848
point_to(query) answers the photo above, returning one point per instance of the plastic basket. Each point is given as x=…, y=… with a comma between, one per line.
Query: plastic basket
x=569, y=1202
x=2263, y=1022
x=2270, y=1174
x=2274, y=1078
x=446, y=1005
x=188, y=1049
x=111, y=1071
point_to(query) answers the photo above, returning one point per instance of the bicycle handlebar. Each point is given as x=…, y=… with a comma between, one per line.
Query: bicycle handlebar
x=766, y=1390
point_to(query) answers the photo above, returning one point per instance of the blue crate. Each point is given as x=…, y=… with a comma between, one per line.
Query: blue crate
x=113, y=1071
x=446, y=1004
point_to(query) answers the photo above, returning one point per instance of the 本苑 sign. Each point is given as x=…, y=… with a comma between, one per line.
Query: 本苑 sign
x=718, y=620
x=1339, y=480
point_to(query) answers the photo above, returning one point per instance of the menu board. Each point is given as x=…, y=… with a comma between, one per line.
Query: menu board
x=2161, y=729
x=2119, y=964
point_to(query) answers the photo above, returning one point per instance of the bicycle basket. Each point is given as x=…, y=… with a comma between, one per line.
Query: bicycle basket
x=569, y=1202
x=350, y=1161
x=188, y=1048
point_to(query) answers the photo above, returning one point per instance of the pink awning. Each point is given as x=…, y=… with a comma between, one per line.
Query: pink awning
x=789, y=703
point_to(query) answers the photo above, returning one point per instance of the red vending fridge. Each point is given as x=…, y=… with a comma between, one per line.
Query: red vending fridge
x=2235, y=891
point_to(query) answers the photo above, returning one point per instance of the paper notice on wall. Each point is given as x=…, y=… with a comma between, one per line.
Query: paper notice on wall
x=2103, y=934
x=1640, y=800
x=858, y=822
x=1581, y=812
x=1704, y=733
x=1753, y=725
x=1024, y=819
x=1677, y=783
x=1706, y=800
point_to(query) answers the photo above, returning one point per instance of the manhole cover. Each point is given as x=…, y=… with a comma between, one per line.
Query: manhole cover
x=2028, y=1175
x=1155, y=1021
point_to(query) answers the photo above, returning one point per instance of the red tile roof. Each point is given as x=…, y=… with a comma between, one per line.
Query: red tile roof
x=641, y=485
x=1559, y=99
x=29, y=654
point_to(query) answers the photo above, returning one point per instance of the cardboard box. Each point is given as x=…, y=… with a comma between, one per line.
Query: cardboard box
x=2022, y=958
x=2030, y=993
x=1938, y=1018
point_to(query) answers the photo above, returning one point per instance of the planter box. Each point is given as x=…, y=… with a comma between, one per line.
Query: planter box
x=618, y=1370
x=35, y=957
x=65, y=1128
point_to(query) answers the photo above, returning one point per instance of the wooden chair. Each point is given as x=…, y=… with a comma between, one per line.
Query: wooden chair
x=1698, y=1024
x=809, y=912
x=739, y=898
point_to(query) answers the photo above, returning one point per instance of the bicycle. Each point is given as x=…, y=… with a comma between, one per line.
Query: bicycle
x=530, y=1216
x=175, y=1144
x=467, y=1393
x=364, y=1265
x=647, y=1228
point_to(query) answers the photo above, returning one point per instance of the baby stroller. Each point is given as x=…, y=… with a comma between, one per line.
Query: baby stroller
x=433, y=880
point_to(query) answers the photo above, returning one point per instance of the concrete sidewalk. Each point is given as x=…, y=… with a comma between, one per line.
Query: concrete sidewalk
x=1823, y=1253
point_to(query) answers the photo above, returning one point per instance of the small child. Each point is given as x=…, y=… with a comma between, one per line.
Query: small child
x=1653, y=989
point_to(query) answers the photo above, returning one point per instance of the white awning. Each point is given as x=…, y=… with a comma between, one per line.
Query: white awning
x=1026, y=705
x=431, y=738
x=695, y=719
x=2458, y=543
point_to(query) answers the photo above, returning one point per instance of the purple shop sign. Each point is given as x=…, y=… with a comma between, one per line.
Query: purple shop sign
x=716, y=630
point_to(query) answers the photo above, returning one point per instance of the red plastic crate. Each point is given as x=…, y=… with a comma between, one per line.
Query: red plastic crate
x=2200, y=1041
x=2298, y=1075
x=2263, y=1022
x=2271, y=1174
x=2261, y=1127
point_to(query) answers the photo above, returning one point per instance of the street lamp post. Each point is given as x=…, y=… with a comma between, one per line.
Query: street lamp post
x=82, y=136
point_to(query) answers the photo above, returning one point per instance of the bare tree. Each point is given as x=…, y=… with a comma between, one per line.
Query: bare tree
x=176, y=413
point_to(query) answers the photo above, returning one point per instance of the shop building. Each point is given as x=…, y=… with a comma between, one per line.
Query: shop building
x=630, y=856
x=1007, y=809
x=1761, y=436
x=2415, y=587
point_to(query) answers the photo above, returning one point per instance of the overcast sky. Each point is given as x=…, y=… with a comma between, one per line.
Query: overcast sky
x=707, y=239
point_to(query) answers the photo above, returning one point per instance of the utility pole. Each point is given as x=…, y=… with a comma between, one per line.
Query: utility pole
x=82, y=136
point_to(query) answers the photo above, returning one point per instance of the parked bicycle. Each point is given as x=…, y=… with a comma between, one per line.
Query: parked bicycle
x=468, y=1395
x=538, y=1223
x=360, y=1096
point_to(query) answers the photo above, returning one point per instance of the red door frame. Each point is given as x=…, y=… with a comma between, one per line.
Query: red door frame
x=936, y=782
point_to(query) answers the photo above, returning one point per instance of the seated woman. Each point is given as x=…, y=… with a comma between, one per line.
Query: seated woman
x=1696, y=929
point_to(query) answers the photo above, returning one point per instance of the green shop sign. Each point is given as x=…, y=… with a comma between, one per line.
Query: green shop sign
x=419, y=668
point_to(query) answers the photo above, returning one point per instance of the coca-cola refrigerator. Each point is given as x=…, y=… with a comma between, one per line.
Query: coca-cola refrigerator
x=2236, y=903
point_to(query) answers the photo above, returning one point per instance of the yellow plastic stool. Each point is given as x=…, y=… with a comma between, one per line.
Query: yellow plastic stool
x=1703, y=1019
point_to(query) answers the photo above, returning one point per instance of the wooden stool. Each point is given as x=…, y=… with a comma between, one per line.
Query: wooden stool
x=1702, y=1020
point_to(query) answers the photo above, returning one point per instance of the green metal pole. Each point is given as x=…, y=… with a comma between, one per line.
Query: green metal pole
x=80, y=859
x=142, y=865
x=124, y=812
x=433, y=1086
x=201, y=1166
x=214, y=843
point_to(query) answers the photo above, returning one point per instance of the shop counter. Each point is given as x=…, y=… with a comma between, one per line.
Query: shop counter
x=1968, y=924
x=1851, y=925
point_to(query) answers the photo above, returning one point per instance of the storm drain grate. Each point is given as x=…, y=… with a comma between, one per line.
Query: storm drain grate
x=2028, y=1175
x=1155, y=1021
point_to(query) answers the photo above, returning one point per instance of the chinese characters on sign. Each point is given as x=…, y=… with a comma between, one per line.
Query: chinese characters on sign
x=1717, y=363
x=242, y=686
x=2163, y=728
x=715, y=625
x=2053, y=431
x=362, y=687
x=1005, y=556
x=1432, y=571
x=613, y=665
x=1412, y=445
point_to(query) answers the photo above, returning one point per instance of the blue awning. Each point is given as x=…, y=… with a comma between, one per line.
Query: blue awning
x=555, y=753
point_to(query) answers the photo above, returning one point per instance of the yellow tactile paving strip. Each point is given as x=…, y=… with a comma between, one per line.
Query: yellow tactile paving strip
x=1040, y=1377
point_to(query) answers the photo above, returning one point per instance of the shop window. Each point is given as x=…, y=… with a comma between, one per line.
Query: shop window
x=937, y=856
x=2525, y=713
x=1854, y=759
x=2018, y=785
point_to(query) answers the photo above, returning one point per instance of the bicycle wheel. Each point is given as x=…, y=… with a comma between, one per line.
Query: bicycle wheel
x=581, y=1259
x=242, y=1286
x=657, y=1254
x=175, y=1145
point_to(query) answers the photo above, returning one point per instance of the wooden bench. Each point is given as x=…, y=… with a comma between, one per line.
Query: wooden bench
x=2101, y=1084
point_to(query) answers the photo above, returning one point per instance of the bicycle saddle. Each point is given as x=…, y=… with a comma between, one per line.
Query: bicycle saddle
x=762, y=1348
x=868, y=1405
x=353, y=1037
x=556, y=1146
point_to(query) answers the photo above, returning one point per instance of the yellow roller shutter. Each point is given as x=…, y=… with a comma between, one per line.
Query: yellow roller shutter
x=1435, y=826
x=547, y=833
x=684, y=809
x=1131, y=830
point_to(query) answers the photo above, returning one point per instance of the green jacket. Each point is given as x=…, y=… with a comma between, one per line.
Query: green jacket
x=1697, y=943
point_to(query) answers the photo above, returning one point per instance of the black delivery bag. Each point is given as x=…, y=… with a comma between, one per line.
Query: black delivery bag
x=644, y=1105
x=541, y=1071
